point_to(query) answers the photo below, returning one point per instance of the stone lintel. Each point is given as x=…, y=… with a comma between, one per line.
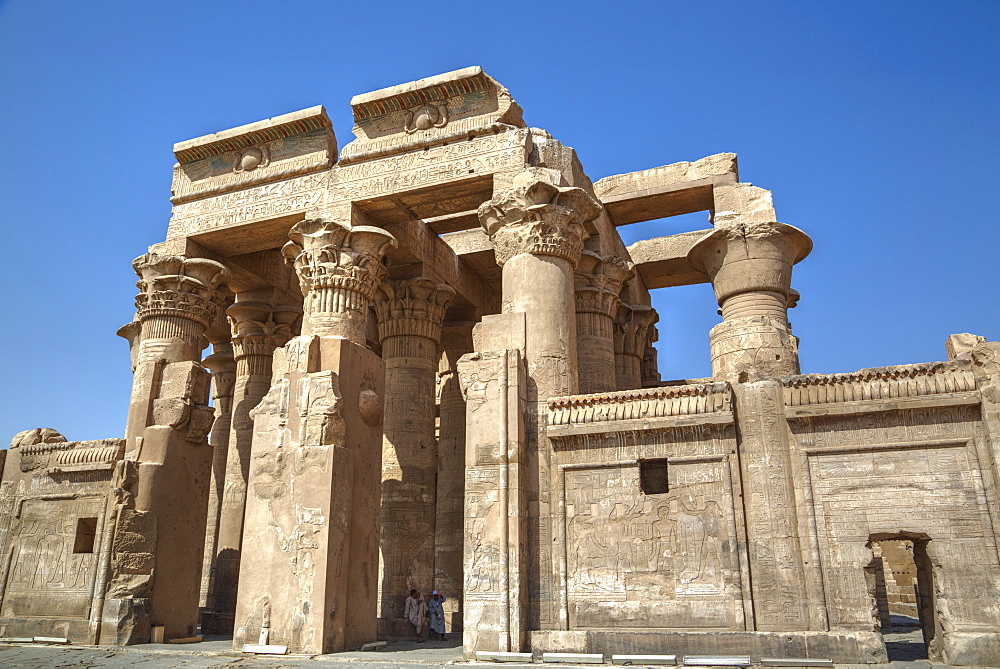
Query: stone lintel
x=257, y=270
x=277, y=127
x=459, y=104
x=462, y=220
x=440, y=262
x=671, y=190
x=662, y=262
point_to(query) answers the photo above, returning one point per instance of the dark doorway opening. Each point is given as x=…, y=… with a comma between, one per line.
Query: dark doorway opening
x=901, y=581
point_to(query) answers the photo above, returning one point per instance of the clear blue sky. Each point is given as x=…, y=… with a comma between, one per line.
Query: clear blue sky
x=874, y=123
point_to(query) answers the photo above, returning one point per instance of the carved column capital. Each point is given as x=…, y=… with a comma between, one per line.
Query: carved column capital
x=223, y=368
x=597, y=281
x=743, y=257
x=411, y=308
x=631, y=329
x=257, y=329
x=179, y=287
x=539, y=217
x=339, y=269
x=631, y=340
x=750, y=264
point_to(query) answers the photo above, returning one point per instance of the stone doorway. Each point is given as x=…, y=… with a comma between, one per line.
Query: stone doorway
x=901, y=581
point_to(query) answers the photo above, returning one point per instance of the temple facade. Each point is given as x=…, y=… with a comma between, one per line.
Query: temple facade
x=426, y=360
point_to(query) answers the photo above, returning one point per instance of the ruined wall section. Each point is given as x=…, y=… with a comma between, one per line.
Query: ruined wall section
x=899, y=453
x=647, y=527
x=76, y=559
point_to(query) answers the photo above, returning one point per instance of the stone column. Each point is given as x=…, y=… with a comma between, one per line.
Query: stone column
x=598, y=280
x=537, y=230
x=257, y=329
x=750, y=265
x=410, y=313
x=168, y=424
x=631, y=342
x=223, y=368
x=449, y=537
x=313, y=489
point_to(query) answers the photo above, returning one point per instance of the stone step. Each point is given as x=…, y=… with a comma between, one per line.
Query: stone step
x=501, y=656
x=265, y=649
x=645, y=660
x=574, y=658
x=716, y=660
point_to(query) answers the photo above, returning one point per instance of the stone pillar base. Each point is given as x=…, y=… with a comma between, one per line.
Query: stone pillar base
x=397, y=629
x=213, y=622
x=308, y=574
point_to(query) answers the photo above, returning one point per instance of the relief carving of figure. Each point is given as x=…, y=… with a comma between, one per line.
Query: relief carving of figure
x=698, y=544
x=50, y=564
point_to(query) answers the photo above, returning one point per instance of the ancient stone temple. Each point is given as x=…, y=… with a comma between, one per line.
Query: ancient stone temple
x=432, y=367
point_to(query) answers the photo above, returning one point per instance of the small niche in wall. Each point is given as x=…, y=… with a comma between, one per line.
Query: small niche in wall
x=86, y=532
x=653, y=476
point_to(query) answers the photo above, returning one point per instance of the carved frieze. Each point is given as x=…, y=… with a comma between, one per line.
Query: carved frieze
x=879, y=383
x=644, y=403
x=453, y=106
x=268, y=151
x=250, y=203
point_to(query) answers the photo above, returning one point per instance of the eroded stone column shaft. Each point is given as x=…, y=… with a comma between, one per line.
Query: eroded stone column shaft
x=168, y=424
x=410, y=313
x=537, y=230
x=456, y=341
x=223, y=368
x=312, y=501
x=650, y=363
x=257, y=329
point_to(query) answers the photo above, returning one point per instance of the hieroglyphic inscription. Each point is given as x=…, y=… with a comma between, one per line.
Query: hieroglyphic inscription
x=929, y=492
x=251, y=204
x=636, y=560
x=47, y=577
x=686, y=440
x=886, y=427
x=457, y=160
x=775, y=560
